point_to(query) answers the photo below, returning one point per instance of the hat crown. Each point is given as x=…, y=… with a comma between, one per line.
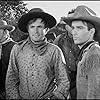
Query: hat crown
x=36, y=10
x=83, y=11
x=36, y=13
x=3, y=22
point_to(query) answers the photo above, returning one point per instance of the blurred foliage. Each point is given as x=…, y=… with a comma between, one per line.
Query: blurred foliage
x=11, y=11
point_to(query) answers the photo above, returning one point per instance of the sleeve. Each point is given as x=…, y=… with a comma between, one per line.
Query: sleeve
x=12, y=78
x=61, y=76
x=94, y=77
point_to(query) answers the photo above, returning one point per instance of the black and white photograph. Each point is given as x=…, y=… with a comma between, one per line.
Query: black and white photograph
x=49, y=50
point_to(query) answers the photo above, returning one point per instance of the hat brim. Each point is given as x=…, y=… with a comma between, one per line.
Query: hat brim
x=7, y=27
x=93, y=20
x=50, y=36
x=22, y=23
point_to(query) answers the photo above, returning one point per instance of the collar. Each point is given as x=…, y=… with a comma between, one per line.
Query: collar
x=88, y=47
x=7, y=40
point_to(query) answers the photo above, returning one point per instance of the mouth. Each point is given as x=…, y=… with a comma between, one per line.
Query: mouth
x=36, y=35
x=75, y=38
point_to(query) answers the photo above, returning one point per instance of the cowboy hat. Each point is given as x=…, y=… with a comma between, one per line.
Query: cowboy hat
x=35, y=13
x=4, y=25
x=86, y=14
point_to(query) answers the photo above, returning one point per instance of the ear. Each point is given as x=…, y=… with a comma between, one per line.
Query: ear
x=45, y=30
x=92, y=30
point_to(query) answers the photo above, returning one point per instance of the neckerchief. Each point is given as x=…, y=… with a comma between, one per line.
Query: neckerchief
x=39, y=46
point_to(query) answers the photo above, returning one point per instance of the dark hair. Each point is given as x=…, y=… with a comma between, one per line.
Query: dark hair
x=89, y=24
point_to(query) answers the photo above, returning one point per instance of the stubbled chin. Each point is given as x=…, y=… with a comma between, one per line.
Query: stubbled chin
x=36, y=36
x=37, y=39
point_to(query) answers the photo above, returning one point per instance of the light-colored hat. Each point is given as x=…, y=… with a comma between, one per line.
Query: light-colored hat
x=36, y=13
x=86, y=14
x=4, y=25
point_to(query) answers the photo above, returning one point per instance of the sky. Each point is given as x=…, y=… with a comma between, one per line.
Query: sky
x=60, y=8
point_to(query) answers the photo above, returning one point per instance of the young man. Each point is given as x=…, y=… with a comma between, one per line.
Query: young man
x=37, y=68
x=86, y=33
x=6, y=45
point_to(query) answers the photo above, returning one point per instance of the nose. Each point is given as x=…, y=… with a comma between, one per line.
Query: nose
x=36, y=29
x=74, y=32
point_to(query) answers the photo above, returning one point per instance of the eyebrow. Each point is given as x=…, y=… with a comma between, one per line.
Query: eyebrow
x=80, y=26
x=77, y=27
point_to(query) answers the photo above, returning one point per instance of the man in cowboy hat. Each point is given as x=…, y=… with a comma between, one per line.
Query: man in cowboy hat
x=70, y=50
x=37, y=68
x=86, y=33
x=6, y=45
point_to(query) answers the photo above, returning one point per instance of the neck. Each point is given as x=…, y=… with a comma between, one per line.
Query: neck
x=81, y=45
x=39, y=46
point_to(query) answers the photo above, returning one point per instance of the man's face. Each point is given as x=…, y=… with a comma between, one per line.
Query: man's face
x=80, y=32
x=36, y=30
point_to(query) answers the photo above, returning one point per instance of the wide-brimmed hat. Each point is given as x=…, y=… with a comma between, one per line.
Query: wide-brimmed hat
x=4, y=25
x=86, y=14
x=36, y=13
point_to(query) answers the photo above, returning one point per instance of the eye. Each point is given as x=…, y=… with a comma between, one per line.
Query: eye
x=32, y=26
x=72, y=27
x=80, y=27
x=39, y=26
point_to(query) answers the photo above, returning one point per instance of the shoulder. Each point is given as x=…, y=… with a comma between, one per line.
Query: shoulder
x=54, y=49
x=93, y=54
x=94, y=49
x=91, y=58
x=18, y=46
x=8, y=44
x=53, y=46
